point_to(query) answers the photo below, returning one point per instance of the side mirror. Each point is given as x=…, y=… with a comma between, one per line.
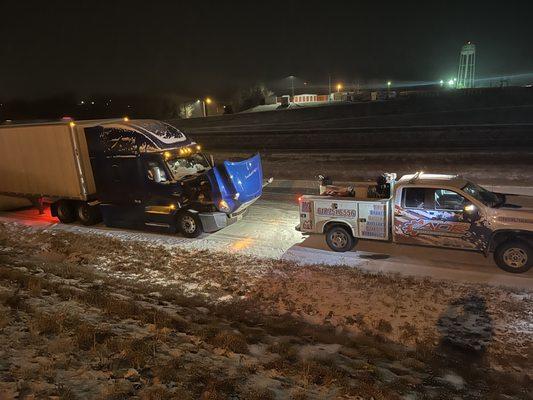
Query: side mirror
x=471, y=212
x=158, y=177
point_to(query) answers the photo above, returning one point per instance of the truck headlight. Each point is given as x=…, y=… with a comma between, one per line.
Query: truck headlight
x=223, y=206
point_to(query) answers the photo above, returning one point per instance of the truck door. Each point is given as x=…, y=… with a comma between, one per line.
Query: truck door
x=119, y=188
x=433, y=217
x=157, y=200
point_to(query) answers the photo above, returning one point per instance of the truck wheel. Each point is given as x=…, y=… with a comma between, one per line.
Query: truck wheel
x=339, y=239
x=189, y=224
x=87, y=214
x=514, y=256
x=65, y=211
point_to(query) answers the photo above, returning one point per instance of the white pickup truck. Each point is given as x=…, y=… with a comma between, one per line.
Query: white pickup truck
x=423, y=209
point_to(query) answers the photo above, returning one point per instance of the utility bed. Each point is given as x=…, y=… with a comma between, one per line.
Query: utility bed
x=367, y=218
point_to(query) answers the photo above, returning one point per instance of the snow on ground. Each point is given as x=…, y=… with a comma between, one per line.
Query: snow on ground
x=491, y=327
x=267, y=231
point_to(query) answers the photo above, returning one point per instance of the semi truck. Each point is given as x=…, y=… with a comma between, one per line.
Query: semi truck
x=423, y=209
x=130, y=173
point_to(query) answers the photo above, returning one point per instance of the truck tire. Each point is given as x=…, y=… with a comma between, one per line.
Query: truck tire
x=514, y=256
x=340, y=239
x=87, y=214
x=65, y=211
x=189, y=224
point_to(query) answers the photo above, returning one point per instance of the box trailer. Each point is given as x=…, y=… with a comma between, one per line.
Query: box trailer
x=134, y=173
x=48, y=160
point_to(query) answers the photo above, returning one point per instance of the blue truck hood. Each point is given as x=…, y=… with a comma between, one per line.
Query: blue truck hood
x=237, y=182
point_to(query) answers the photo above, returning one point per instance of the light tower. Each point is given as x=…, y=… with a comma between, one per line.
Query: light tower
x=467, y=67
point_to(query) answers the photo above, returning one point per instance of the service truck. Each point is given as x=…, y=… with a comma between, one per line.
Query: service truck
x=423, y=209
x=131, y=173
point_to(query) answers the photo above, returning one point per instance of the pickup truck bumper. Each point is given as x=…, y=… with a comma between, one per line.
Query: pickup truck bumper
x=212, y=222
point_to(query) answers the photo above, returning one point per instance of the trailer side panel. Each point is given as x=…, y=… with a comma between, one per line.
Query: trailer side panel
x=39, y=160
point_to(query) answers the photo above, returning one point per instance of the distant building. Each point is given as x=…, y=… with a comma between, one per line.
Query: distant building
x=305, y=98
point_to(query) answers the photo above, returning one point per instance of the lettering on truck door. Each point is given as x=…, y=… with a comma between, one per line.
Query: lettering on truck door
x=331, y=210
x=435, y=217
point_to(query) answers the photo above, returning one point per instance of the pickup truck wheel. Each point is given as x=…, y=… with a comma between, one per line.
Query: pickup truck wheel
x=87, y=214
x=65, y=211
x=339, y=239
x=514, y=256
x=189, y=224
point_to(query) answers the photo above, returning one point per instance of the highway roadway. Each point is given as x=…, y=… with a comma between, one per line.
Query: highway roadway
x=268, y=232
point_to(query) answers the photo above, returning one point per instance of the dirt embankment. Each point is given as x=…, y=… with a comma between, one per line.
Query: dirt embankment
x=504, y=168
x=89, y=316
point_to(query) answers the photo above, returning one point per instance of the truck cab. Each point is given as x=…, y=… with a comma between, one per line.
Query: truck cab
x=429, y=210
x=150, y=174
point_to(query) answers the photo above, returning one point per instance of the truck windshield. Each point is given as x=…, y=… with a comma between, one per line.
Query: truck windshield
x=187, y=165
x=483, y=195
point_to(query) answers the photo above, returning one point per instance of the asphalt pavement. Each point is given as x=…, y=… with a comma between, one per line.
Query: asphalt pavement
x=268, y=231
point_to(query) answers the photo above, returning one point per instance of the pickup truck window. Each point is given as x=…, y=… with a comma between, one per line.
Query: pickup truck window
x=433, y=199
x=449, y=200
x=414, y=197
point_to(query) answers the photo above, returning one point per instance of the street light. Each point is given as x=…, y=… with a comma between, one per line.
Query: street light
x=339, y=87
x=207, y=101
x=389, y=83
x=292, y=86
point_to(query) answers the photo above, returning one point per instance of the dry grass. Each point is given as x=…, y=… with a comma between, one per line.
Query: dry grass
x=368, y=390
x=60, y=345
x=14, y=301
x=48, y=324
x=257, y=394
x=87, y=336
x=159, y=332
x=5, y=319
x=230, y=341
x=134, y=351
x=322, y=372
x=408, y=331
x=170, y=371
x=65, y=392
x=156, y=392
x=119, y=390
x=212, y=384
x=299, y=394
x=34, y=286
x=384, y=326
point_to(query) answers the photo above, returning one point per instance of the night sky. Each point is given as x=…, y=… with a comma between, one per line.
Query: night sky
x=198, y=48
